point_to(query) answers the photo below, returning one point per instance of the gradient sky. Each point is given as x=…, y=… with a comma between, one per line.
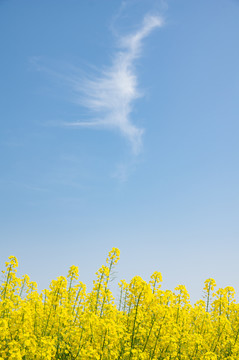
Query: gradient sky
x=119, y=128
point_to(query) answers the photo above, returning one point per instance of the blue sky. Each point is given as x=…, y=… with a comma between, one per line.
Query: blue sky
x=119, y=127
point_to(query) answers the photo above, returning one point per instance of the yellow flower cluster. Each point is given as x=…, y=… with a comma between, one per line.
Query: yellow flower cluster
x=146, y=323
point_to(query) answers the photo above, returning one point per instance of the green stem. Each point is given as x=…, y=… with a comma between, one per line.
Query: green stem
x=133, y=331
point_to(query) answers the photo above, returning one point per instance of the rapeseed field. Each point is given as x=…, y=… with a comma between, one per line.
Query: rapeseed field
x=146, y=323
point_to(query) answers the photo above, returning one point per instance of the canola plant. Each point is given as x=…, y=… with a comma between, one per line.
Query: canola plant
x=147, y=323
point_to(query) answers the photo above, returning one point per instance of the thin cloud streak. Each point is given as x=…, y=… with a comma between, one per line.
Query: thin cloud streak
x=110, y=96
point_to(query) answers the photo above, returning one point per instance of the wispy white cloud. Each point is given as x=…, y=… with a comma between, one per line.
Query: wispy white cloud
x=110, y=96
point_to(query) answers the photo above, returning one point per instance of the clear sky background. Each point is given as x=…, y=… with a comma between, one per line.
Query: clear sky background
x=119, y=128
